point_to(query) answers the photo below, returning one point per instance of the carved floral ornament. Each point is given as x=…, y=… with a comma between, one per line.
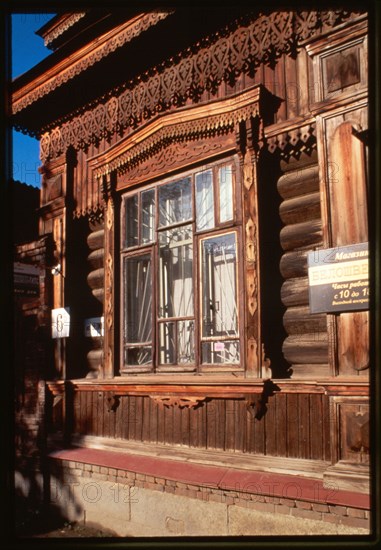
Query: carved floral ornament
x=237, y=52
x=182, y=402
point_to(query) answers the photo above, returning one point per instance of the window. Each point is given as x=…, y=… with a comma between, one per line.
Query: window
x=180, y=274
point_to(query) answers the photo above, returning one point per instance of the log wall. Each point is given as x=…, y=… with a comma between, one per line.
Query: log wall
x=306, y=346
x=95, y=280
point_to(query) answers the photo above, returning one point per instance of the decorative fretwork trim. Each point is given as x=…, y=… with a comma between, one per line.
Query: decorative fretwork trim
x=178, y=401
x=109, y=43
x=203, y=121
x=293, y=140
x=262, y=41
x=68, y=22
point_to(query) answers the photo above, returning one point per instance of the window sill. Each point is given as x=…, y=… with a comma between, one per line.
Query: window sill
x=210, y=385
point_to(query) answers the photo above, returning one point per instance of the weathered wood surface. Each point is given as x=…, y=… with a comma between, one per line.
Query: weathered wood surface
x=348, y=194
x=306, y=348
x=299, y=181
x=301, y=235
x=95, y=278
x=299, y=320
x=294, y=292
x=95, y=358
x=310, y=370
x=95, y=240
x=353, y=342
x=294, y=423
x=299, y=209
x=349, y=224
x=96, y=258
x=293, y=264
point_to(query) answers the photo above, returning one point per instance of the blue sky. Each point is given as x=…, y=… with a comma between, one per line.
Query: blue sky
x=27, y=50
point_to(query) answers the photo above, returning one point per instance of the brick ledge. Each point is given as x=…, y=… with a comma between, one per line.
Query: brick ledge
x=276, y=485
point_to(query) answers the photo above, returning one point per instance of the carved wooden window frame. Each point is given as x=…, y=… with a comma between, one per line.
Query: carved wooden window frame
x=171, y=143
x=151, y=248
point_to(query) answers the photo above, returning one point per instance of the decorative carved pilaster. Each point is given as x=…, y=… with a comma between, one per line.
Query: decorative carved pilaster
x=109, y=298
x=247, y=142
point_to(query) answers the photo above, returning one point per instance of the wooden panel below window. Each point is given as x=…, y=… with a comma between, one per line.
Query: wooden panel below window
x=293, y=424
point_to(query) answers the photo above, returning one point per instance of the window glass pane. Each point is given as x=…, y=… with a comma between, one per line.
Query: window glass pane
x=167, y=351
x=175, y=272
x=185, y=342
x=140, y=355
x=175, y=202
x=223, y=352
x=219, y=287
x=204, y=200
x=132, y=221
x=138, y=299
x=176, y=342
x=148, y=216
x=226, y=193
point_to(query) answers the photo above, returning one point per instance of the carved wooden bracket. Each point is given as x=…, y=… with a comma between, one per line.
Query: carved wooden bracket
x=113, y=403
x=178, y=401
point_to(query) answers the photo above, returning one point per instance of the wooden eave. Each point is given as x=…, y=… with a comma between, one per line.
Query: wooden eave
x=58, y=26
x=70, y=79
x=69, y=67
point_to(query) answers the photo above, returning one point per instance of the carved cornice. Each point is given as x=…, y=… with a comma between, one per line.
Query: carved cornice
x=163, y=87
x=198, y=122
x=178, y=136
x=85, y=58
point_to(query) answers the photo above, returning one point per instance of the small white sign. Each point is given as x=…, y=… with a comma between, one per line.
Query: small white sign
x=60, y=322
x=94, y=327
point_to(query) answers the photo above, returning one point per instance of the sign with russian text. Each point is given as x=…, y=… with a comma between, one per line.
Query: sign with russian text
x=339, y=278
x=60, y=322
x=26, y=279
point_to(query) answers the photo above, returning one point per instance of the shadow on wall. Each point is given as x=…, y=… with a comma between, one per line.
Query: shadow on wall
x=270, y=225
x=37, y=508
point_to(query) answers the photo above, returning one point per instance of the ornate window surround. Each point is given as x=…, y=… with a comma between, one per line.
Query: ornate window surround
x=236, y=123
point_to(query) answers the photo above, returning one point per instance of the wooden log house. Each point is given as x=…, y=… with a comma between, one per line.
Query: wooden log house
x=193, y=161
